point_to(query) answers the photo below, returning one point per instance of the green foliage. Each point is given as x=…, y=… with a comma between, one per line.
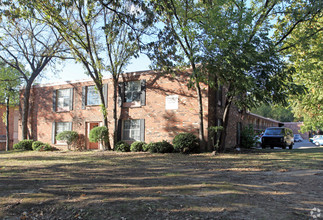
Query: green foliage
x=160, y=147
x=9, y=84
x=71, y=137
x=24, y=145
x=306, y=57
x=99, y=134
x=145, y=147
x=248, y=135
x=186, y=143
x=277, y=112
x=137, y=146
x=40, y=146
x=122, y=146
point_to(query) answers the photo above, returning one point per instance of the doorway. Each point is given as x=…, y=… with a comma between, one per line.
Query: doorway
x=90, y=126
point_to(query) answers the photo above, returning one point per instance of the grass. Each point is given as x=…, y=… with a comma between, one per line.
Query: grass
x=112, y=185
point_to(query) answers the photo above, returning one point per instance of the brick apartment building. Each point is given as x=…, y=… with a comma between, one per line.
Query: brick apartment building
x=152, y=107
x=13, y=126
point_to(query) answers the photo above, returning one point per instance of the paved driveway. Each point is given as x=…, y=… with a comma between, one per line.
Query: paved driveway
x=305, y=144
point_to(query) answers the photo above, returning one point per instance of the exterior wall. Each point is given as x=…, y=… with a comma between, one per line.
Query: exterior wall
x=160, y=124
x=260, y=123
x=296, y=126
x=13, y=126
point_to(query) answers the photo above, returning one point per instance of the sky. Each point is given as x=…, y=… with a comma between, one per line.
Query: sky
x=71, y=71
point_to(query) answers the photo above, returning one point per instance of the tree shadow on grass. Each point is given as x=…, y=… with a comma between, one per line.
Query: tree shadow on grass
x=155, y=186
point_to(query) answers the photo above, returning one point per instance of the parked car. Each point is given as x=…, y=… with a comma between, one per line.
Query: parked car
x=318, y=141
x=298, y=138
x=315, y=137
x=278, y=137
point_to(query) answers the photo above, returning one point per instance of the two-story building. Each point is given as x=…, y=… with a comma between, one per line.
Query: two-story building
x=151, y=107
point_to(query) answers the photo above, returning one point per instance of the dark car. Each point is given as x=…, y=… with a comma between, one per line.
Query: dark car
x=278, y=137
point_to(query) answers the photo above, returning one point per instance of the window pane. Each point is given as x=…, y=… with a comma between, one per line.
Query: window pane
x=132, y=91
x=131, y=130
x=93, y=97
x=62, y=126
x=63, y=99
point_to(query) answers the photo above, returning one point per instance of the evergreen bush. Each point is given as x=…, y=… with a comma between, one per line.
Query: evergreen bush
x=186, y=143
x=122, y=146
x=99, y=134
x=137, y=146
x=40, y=146
x=160, y=147
x=71, y=138
x=24, y=145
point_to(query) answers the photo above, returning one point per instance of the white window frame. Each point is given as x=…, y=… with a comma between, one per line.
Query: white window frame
x=95, y=97
x=131, y=130
x=66, y=128
x=63, y=103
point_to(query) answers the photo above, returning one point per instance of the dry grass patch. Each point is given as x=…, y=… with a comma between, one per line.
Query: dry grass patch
x=271, y=184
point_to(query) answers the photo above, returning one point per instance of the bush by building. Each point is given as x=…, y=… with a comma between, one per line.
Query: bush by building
x=23, y=145
x=122, y=146
x=186, y=143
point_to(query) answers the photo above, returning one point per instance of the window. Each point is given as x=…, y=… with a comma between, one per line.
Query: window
x=59, y=127
x=92, y=96
x=63, y=100
x=133, y=130
x=132, y=91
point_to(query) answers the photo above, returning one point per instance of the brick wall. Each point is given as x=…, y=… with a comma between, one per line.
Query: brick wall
x=160, y=124
x=296, y=126
x=13, y=126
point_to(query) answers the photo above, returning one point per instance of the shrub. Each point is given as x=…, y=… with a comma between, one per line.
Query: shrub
x=137, y=146
x=160, y=147
x=122, y=146
x=186, y=143
x=23, y=145
x=145, y=147
x=40, y=146
x=248, y=137
x=99, y=134
x=70, y=137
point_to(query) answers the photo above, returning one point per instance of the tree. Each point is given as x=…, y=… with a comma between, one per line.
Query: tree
x=242, y=54
x=28, y=46
x=306, y=57
x=178, y=45
x=277, y=112
x=79, y=25
x=9, y=93
x=96, y=33
x=122, y=36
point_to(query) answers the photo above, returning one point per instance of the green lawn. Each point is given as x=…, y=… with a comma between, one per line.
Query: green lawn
x=262, y=184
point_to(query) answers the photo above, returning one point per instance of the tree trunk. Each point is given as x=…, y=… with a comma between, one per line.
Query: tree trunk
x=25, y=111
x=107, y=144
x=225, y=119
x=201, y=123
x=7, y=125
x=115, y=131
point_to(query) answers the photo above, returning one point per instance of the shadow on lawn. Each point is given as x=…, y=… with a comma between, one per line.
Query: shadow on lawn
x=153, y=186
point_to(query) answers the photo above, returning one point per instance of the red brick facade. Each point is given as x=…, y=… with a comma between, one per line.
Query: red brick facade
x=155, y=121
x=13, y=126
